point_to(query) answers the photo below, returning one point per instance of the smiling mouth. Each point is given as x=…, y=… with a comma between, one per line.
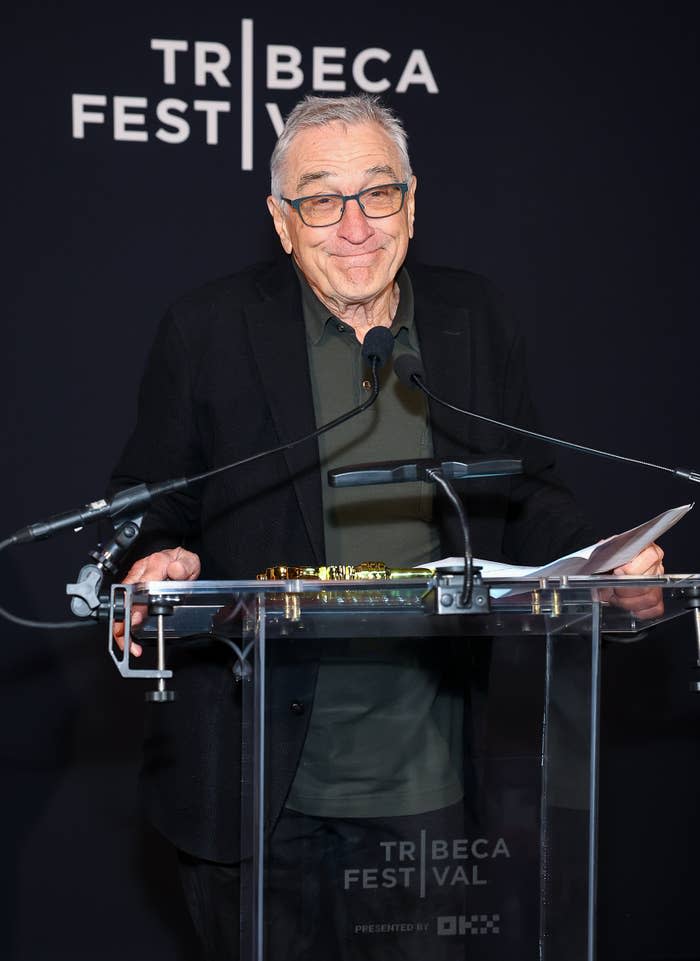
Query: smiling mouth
x=358, y=255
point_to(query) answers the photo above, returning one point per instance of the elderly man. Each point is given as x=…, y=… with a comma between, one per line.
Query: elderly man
x=261, y=358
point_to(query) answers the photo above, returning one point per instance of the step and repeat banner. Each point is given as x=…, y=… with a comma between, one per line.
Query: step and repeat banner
x=556, y=152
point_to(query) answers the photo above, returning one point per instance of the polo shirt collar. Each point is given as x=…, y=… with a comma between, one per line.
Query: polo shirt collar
x=317, y=318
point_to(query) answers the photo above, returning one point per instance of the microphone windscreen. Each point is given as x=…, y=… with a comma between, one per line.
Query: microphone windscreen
x=378, y=345
x=406, y=367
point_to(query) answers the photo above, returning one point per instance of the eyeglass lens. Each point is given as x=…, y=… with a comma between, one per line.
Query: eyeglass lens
x=326, y=209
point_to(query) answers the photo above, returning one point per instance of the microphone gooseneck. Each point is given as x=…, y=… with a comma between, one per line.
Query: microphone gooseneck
x=410, y=372
x=376, y=350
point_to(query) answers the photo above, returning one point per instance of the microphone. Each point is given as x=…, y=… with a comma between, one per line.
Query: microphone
x=377, y=346
x=376, y=350
x=421, y=469
x=409, y=370
x=133, y=497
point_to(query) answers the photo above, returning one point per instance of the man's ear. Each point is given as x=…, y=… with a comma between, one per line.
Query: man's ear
x=411, y=205
x=280, y=222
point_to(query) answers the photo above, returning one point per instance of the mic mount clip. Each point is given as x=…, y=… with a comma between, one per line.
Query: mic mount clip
x=86, y=599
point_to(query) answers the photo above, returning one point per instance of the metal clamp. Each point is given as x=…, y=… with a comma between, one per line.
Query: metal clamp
x=121, y=597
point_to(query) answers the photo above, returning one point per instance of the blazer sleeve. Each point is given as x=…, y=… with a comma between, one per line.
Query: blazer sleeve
x=165, y=443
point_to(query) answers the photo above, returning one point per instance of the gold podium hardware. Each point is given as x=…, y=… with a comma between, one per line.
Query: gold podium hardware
x=366, y=571
x=556, y=603
x=536, y=602
x=284, y=573
x=292, y=607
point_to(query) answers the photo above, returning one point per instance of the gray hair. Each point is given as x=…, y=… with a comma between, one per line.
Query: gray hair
x=315, y=111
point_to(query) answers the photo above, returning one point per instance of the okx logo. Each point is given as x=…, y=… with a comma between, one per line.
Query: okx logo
x=461, y=924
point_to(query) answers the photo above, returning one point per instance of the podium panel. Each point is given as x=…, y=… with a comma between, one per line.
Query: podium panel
x=418, y=782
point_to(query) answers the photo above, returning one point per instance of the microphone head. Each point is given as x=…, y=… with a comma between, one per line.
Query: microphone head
x=408, y=366
x=378, y=345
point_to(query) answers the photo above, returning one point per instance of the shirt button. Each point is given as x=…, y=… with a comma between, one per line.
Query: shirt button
x=340, y=328
x=296, y=707
x=366, y=385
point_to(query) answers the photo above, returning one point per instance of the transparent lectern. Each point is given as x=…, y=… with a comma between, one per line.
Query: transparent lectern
x=445, y=799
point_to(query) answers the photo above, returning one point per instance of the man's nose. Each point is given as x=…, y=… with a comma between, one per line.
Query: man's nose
x=354, y=226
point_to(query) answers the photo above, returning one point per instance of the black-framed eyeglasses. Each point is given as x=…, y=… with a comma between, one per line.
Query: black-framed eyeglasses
x=324, y=210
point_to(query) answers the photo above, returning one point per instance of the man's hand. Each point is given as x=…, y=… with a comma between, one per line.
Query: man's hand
x=644, y=602
x=174, y=564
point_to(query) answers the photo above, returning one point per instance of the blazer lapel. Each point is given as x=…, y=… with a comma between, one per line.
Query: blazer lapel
x=278, y=339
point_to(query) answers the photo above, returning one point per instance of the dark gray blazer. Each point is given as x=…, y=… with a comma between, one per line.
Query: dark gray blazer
x=227, y=377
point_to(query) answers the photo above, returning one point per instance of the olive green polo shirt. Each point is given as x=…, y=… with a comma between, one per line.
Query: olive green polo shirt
x=384, y=736
x=390, y=523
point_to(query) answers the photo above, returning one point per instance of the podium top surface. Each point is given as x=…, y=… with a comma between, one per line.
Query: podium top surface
x=429, y=605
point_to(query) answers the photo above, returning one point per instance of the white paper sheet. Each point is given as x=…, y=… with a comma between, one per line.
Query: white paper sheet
x=597, y=559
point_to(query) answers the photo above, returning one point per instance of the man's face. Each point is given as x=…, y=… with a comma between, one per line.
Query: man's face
x=352, y=261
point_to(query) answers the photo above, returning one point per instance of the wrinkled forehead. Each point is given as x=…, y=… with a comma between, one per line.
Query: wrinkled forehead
x=337, y=153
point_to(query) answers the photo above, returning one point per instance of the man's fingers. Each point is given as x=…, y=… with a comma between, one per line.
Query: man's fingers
x=151, y=568
x=644, y=604
x=137, y=616
x=175, y=564
x=134, y=648
x=185, y=567
x=647, y=562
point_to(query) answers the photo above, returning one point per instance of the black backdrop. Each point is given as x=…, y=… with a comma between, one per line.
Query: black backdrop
x=556, y=151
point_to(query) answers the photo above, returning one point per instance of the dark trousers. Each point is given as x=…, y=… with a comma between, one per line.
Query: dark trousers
x=347, y=890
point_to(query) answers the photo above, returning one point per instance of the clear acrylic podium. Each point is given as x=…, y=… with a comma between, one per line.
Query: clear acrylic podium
x=502, y=870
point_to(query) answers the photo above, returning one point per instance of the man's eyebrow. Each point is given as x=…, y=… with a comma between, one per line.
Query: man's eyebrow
x=382, y=169
x=314, y=176
x=311, y=178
